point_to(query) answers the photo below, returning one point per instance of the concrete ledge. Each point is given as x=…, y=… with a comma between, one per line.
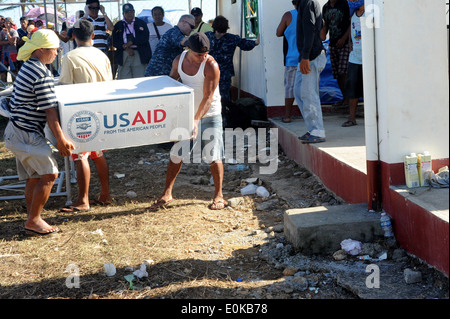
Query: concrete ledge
x=321, y=229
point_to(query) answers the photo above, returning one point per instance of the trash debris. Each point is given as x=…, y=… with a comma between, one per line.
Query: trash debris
x=119, y=175
x=239, y=280
x=364, y=257
x=340, y=255
x=439, y=180
x=352, y=247
x=238, y=168
x=249, y=189
x=110, y=270
x=141, y=272
x=130, y=279
x=386, y=225
x=261, y=191
x=98, y=232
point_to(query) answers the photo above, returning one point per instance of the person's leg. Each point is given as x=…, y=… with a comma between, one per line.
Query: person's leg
x=289, y=82
x=217, y=175
x=312, y=108
x=37, y=192
x=83, y=179
x=103, y=174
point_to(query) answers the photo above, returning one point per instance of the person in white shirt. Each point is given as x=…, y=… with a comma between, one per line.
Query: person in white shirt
x=158, y=27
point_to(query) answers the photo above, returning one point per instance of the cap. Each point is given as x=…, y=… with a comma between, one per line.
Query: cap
x=127, y=7
x=196, y=10
x=8, y=19
x=198, y=42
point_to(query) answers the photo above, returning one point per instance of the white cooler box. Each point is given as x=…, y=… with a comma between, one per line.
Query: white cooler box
x=124, y=113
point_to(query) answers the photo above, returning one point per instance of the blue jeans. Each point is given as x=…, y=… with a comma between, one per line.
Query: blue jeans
x=306, y=92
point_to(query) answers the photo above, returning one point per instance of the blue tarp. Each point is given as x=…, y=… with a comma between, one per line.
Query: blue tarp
x=328, y=87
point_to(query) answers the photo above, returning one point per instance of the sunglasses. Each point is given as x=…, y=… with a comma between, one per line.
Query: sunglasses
x=191, y=25
x=94, y=8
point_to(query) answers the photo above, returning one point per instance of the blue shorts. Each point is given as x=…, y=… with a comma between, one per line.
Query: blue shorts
x=211, y=147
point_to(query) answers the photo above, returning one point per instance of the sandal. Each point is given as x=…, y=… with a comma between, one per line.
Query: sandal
x=218, y=205
x=160, y=203
x=304, y=136
x=349, y=123
x=313, y=139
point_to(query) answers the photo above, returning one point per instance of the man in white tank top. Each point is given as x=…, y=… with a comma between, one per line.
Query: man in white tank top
x=198, y=70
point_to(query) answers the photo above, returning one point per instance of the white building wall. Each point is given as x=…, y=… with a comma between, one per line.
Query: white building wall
x=411, y=78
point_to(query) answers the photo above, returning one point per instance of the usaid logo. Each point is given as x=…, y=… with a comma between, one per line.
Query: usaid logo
x=83, y=126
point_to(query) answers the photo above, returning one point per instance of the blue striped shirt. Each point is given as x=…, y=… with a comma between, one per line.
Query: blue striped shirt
x=33, y=93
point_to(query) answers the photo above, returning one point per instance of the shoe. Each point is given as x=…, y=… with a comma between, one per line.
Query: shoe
x=304, y=136
x=349, y=123
x=160, y=203
x=313, y=139
x=218, y=205
x=30, y=232
x=286, y=120
x=72, y=209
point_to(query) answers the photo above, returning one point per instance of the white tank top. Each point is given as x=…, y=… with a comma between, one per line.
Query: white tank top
x=196, y=82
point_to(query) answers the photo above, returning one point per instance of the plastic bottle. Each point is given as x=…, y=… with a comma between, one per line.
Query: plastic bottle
x=249, y=189
x=424, y=166
x=386, y=225
x=411, y=171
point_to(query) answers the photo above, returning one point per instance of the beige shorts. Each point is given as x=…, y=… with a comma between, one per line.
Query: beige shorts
x=34, y=156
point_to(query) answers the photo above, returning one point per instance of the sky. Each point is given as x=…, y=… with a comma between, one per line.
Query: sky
x=114, y=11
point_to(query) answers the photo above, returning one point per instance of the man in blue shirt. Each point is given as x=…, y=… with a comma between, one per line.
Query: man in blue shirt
x=169, y=47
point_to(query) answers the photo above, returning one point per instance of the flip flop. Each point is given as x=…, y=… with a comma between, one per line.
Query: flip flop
x=313, y=139
x=72, y=209
x=31, y=232
x=349, y=123
x=96, y=202
x=304, y=136
x=160, y=203
x=218, y=205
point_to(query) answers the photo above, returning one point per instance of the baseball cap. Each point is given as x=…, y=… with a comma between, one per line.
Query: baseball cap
x=196, y=10
x=198, y=42
x=127, y=7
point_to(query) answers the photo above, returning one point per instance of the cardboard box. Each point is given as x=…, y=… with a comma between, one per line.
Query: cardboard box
x=124, y=113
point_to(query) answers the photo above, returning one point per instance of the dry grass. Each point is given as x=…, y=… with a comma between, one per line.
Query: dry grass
x=191, y=251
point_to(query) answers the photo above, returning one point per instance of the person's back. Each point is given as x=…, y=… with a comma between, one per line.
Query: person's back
x=309, y=25
x=85, y=64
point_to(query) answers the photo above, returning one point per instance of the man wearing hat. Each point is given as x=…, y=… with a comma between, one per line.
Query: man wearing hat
x=198, y=70
x=200, y=26
x=33, y=104
x=131, y=39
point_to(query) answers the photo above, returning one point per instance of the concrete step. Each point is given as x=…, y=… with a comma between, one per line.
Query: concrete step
x=317, y=230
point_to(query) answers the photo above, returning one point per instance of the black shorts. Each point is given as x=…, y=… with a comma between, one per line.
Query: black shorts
x=354, y=81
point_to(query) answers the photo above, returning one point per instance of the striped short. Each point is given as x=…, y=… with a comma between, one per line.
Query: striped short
x=289, y=81
x=339, y=59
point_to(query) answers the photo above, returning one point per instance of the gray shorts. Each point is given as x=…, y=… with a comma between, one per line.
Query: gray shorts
x=33, y=154
x=208, y=146
x=289, y=81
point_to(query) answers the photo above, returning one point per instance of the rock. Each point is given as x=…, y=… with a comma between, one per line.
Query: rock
x=235, y=201
x=267, y=205
x=341, y=254
x=399, y=255
x=131, y=194
x=412, y=276
x=289, y=271
x=299, y=283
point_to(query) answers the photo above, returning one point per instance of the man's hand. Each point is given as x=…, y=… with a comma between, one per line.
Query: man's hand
x=304, y=66
x=65, y=147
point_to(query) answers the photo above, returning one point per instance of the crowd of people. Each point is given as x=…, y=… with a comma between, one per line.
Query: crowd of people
x=304, y=28
x=194, y=52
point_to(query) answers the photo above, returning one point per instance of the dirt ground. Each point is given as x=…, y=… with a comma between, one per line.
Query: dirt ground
x=187, y=250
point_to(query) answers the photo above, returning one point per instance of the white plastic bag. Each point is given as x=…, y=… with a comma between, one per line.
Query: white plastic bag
x=352, y=247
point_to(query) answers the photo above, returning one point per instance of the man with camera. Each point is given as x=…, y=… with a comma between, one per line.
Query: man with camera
x=131, y=39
